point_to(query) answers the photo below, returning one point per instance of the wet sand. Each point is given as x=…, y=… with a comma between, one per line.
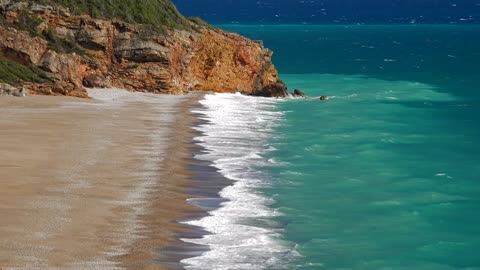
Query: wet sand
x=204, y=194
x=93, y=184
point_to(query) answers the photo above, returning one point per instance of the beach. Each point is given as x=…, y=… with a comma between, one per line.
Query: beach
x=383, y=175
x=93, y=184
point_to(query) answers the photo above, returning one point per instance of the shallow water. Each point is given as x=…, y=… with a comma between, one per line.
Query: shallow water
x=384, y=175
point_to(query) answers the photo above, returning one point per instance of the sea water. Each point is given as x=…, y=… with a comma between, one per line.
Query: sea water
x=383, y=175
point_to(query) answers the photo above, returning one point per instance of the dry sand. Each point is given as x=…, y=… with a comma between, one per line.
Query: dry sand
x=92, y=184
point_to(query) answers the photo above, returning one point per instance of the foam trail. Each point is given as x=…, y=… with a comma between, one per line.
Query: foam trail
x=243, y=235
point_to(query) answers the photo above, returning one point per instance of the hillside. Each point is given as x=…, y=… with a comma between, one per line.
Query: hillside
x=60, y=46
x=155, y=13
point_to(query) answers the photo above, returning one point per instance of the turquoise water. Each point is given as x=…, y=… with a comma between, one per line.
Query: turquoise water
x=386, y=175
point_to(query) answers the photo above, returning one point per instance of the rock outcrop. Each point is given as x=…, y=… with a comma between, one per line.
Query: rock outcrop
x=21, y=47
x=114, y=53
x=298, y=93
x=7, y=89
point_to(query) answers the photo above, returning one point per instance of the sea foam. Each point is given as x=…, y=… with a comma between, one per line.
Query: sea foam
x=235, y=137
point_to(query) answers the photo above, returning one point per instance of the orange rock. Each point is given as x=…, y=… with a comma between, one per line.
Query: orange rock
x=65, y=67
x=55, y=89
x=21, y=47
x=174, y=62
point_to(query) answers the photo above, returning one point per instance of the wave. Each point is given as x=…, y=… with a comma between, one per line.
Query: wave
x=242, y=232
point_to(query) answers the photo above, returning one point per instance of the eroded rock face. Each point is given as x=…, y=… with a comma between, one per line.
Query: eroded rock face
x=64, y=67
x=227, y=62
x=94, y=35
x=142, y=51
x=21, y=47
x=123, y=55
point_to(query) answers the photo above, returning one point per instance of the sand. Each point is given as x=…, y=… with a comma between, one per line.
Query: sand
x=92, y=184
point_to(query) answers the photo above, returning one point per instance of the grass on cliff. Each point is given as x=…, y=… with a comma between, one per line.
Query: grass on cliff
x=59, y=45
x=26, y=22
x=155, y=13
x=13, y=72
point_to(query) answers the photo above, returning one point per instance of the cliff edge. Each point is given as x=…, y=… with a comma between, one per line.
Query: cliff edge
x=47, y=49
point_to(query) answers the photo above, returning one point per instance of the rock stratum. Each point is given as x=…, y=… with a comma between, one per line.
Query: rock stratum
x=76, y=51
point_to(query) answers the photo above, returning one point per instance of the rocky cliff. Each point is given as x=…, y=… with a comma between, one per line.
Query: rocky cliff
x=77, y=50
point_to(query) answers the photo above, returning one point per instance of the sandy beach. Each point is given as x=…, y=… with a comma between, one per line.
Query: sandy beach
x=93, y=184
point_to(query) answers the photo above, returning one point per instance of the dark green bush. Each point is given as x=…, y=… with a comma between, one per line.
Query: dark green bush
x=59, y=45
x=12, y=72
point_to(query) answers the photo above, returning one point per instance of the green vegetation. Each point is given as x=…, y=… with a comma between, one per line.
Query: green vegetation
x=153, y=13
x=198, y=21
x=25, y=22
x=12, y=72
x=28, y=23
x=59, y=45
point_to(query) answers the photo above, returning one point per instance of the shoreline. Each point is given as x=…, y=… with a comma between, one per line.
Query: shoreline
x=95, y=183
x=203, y=195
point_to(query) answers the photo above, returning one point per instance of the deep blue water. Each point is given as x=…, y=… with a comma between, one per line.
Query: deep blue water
x=384, y=175
x=333, y=11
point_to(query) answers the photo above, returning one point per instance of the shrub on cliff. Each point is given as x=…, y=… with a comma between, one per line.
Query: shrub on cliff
x=155, y=13
x=26, y=22
x=68, y=45
x=13, y=72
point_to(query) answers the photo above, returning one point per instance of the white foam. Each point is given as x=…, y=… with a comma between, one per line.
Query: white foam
x=236, y=139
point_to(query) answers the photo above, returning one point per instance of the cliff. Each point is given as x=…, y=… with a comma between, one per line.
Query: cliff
x=65, y=52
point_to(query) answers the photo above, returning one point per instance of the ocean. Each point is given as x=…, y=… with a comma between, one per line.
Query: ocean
x=383, y=175
x=333, y=11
